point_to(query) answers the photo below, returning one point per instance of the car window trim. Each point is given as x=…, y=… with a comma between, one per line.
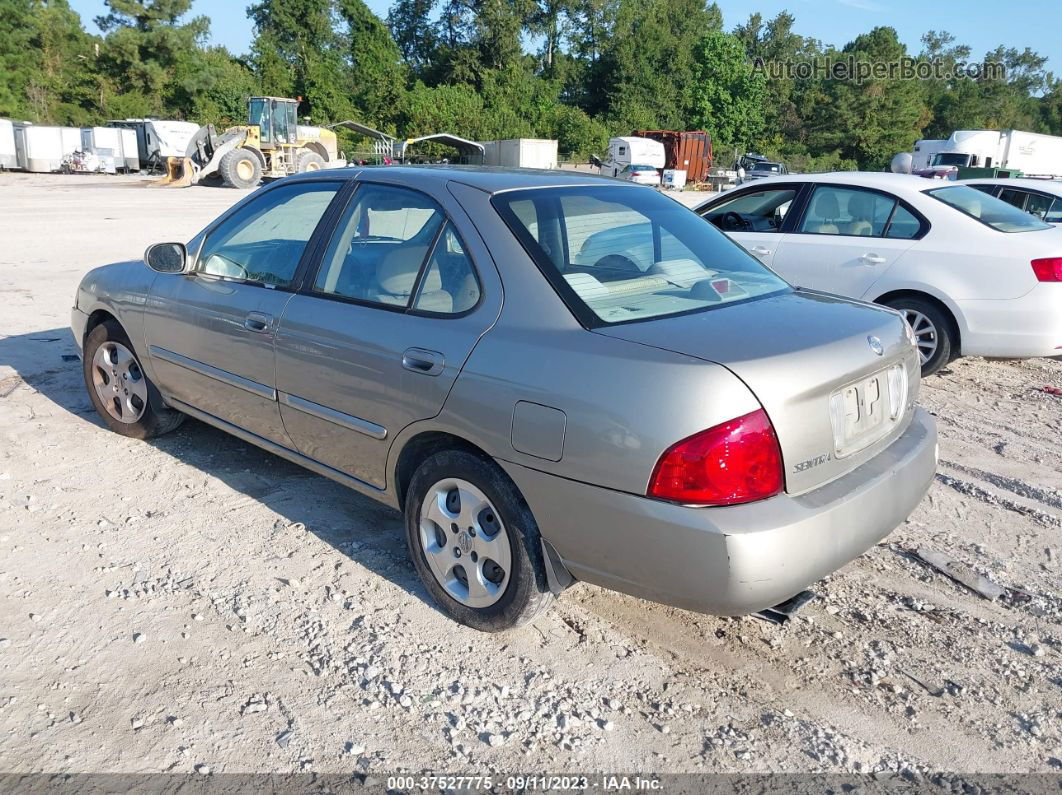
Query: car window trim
x=308, y=287
x=923, y=228
x=307, y=252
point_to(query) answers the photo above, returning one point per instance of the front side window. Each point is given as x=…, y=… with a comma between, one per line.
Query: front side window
x=843, y=211
x=989, y=210
x=379, y=245
x=624, y=254
x=264, y=240
x=754, y=211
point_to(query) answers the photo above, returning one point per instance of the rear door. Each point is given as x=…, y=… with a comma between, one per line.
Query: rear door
x=756, y=217
x=374, y=342
x=846, y=238
x=210, y=332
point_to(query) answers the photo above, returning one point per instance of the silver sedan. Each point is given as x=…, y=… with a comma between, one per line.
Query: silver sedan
x=555, y=377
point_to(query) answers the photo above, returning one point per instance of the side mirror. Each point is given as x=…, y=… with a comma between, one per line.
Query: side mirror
x=166, y=257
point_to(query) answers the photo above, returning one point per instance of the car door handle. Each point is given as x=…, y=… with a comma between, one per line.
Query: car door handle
x=258, y=322
x=425, y=362
x=760, y=251
x=872, y=259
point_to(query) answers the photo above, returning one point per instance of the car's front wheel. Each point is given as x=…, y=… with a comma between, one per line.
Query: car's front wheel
x=474, y=542
x=933, y=332
x=119, y=389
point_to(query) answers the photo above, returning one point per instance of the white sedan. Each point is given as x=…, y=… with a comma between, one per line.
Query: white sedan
x=1041, y=197
x=972, y=274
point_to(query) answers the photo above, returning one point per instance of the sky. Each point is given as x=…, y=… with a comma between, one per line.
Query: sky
x=982, y=24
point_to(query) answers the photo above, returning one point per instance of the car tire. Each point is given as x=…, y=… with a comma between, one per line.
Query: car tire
x=934, y=331
x=120, y=391
x=488, y=518
x=240, y=169
x=309, y=160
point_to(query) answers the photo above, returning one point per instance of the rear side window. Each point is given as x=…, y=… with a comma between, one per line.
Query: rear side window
x=842, y=211
x=1054, y=215
x=903, y=225
x=1037, y=204
x=989, y=210
x=618, y=254
x=264, y=240
x=449, y=285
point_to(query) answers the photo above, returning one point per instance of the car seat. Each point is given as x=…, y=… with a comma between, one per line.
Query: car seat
x=825, y=210
x=861, y=209
x=396, y=276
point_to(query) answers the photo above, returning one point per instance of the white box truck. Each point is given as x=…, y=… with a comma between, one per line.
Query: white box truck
x=1034, y=154
x=630, y=151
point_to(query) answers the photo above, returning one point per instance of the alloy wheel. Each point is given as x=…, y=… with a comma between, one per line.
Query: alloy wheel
x=925, y=334
x=119, y=382
x=465, y=543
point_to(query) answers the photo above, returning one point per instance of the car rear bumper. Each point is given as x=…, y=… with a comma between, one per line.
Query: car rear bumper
x=1020, y=327
x=733, y=560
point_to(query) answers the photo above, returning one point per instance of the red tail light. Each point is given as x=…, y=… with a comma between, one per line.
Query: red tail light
x=1048, y=269
x=735, y=462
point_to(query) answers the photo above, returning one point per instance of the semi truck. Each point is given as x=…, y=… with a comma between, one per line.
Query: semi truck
x=1032, y=154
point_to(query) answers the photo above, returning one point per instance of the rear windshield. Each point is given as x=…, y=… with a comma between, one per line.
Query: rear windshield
x=618, y=254
x=989, y=210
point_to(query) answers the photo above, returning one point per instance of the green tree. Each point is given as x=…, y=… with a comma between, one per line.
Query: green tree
x=145, y=44
x=728, y=95
x=377, y=72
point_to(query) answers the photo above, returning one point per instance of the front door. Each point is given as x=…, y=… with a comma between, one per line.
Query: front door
x=754, y=218
x=378, y=339
x=846, y=239
x=210, y=332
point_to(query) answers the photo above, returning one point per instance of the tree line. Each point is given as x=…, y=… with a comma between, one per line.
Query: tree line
x=579, y=71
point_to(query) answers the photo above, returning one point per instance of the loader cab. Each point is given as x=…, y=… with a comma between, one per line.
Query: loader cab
x=277, y=120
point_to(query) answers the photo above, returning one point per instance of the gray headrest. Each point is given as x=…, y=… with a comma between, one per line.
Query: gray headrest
x=397, y=271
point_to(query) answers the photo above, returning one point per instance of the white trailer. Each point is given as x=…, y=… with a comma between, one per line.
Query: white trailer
x=521, y=153
x=8, y=153
x=39, y=149
x=1033, y=154
x=630, y=151
x=112, y=142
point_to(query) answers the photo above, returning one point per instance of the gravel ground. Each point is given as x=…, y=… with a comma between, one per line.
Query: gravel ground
x=194, y=603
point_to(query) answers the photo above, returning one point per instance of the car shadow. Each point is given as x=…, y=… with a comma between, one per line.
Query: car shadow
x=367, y=532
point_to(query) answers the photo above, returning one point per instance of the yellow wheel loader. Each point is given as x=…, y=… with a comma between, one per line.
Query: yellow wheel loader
x=273, y=144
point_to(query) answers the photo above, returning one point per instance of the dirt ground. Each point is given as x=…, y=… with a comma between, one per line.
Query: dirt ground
x=194, y=603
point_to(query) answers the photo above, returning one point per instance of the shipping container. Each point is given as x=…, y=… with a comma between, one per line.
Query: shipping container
x=689, y=151
x=8, y=153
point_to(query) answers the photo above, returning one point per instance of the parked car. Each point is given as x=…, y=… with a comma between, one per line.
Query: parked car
x=973, y=275
x=688, y=428
x=642, y=175
x=764, y=168
x=1041, y=197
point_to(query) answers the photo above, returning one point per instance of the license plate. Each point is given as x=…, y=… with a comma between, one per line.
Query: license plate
x=860, y=412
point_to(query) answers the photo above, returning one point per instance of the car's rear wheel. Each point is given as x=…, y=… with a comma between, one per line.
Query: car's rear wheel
x=933, y=331
x=119, y=389
x=474, y=542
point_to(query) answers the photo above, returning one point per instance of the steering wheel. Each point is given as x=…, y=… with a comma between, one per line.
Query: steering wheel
x=731, y=221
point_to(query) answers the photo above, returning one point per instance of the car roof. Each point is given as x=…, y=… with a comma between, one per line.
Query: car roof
x=1044, y=185
x=490, y=179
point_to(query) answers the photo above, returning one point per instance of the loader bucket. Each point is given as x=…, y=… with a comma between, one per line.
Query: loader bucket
x=180, y=171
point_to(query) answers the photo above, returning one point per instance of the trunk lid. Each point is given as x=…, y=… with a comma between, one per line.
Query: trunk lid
x=812, y=361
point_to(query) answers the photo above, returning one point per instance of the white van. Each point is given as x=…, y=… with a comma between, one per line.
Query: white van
x=623, y=152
